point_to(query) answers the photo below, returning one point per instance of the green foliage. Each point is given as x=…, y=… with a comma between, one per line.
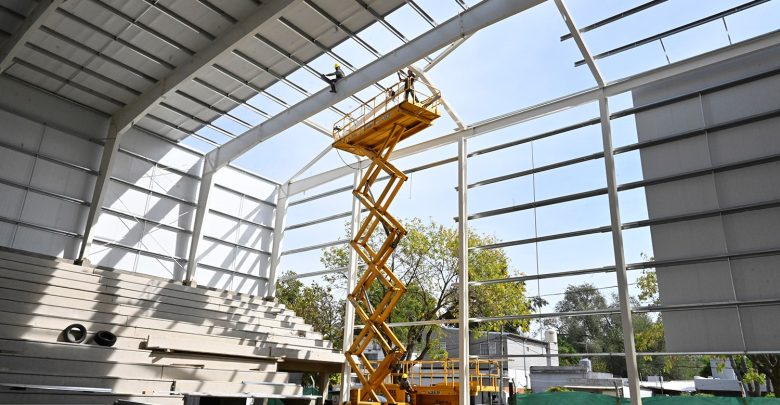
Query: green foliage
x=315, y=304
x=426, y=260
x=558, y=389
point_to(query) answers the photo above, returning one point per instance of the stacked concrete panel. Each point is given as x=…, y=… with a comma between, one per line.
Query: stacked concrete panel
x=172, y=340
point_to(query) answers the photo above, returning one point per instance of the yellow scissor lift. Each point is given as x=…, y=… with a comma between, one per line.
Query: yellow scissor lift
x=373, y=130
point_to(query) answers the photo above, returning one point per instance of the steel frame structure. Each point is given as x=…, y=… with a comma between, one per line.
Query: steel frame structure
x=450, y=34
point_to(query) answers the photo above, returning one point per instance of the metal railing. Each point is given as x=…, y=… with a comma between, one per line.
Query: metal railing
x=383, y=102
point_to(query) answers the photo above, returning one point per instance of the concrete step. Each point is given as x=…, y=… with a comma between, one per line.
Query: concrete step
x=130, y=385
x=143, y=327
x=118, y=292
x=65, y=398
x=228, y=297
x=86, y=368
x=216, y=388
x=93, y=353
x=139, y=316
x=197, y=344
x=47, y=329
x=161, y=307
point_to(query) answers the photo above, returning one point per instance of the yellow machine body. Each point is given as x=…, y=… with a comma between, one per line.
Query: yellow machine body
x=373, y=130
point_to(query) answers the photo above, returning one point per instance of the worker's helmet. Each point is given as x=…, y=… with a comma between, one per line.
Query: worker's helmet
x=404, y=375
x=337, y=66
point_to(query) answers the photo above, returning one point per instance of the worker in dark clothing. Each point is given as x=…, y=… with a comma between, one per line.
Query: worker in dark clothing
x=338, y=74
x=408, y=80
x=404, y=384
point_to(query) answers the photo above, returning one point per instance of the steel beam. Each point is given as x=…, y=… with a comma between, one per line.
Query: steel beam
x=349, y=312
x=468, y=22
x=629, y=346
x=29, y=27
x=270, y=11
x=560, y=104
x=110, y=149
x=450, y=111
x=126, y=117
x=464, y=389
x=202, y=209
x=280, y=222
x=575, y=33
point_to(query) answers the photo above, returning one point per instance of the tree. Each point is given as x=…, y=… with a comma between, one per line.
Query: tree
x=604, y=333
x=314, y=303
x=426, y=260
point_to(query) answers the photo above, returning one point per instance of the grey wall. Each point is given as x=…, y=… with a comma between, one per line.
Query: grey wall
x=737, y=279
x=49, y=156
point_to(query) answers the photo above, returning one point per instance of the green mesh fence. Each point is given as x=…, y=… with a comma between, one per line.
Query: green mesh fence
x=583, y=398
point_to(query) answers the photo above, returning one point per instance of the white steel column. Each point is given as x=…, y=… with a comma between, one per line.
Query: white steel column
x=110, y=148
x=202, y=209
x=614, y=209
x=280, y=222
x=349, y=312
x=464, y=393
x=629, y=346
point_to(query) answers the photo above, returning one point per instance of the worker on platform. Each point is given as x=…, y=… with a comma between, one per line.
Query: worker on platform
x=337, y=74
x=408, y=80
x=404, y=384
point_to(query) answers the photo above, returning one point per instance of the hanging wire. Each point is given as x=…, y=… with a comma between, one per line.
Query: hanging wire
x=536, y=234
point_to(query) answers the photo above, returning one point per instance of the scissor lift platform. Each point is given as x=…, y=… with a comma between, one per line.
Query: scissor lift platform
x=357, y=136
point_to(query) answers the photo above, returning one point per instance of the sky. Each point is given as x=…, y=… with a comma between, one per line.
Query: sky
x=513, y=64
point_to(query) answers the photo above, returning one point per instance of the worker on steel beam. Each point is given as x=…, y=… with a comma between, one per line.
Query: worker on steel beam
x=338, y=74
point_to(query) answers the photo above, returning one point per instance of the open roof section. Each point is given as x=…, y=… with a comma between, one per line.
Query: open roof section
x=105, y=53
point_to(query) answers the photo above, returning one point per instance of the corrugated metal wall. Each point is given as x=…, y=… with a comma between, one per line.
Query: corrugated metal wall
x=49, y=156
x=740, y=178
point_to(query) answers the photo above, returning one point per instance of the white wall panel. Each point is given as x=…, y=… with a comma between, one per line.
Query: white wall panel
x=748, y=231
x=160, y=267
x=258, y=212
x=11, y=200
x=15, y=166
x=113, y=257
x=216, y=254
x=54, y=213
x=225, y=201
x=63, y=180
x=71, y=149
x=245, y=183
x=221, y=227
x=113, y=228
x=20, y=132
x=121, y=197
x=169, y=212
x=251, y=263
x=46, y=242
x=248, y=285
x=133, y=170
x=162, y=152
x=213, y=278
x=170, y=183
x=163, y=241
x=255, y=237
x=6, y=233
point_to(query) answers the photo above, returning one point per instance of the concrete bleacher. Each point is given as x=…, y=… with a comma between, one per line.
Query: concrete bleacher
x=173, y=340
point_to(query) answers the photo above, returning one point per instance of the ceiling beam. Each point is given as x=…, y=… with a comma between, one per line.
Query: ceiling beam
x=560, y=104
x=270, y=11
x=575, y=33
x=29, y=27
x=482, y=15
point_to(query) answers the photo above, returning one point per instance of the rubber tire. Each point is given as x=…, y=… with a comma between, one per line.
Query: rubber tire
x=105, y=338
x=81, y=333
